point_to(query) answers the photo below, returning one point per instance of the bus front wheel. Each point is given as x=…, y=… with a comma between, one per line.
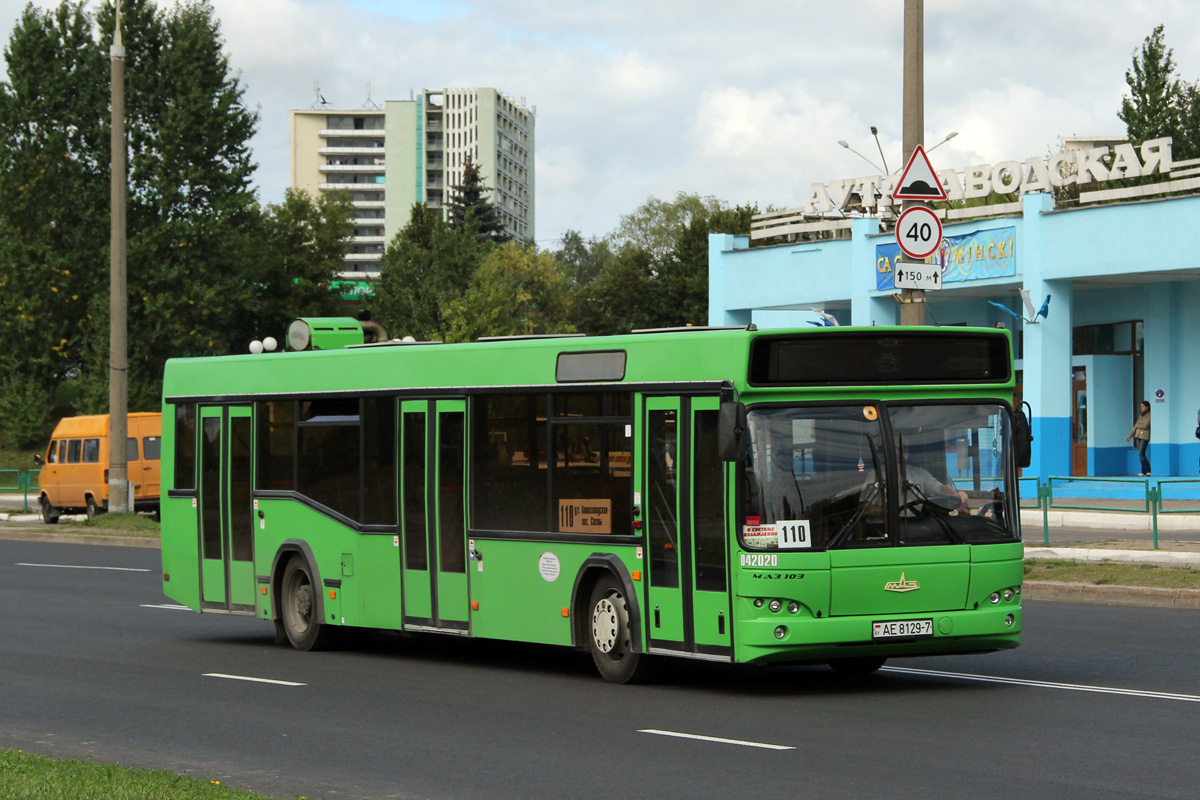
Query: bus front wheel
x=301, y=608
x=862, y=665
x=610, y=638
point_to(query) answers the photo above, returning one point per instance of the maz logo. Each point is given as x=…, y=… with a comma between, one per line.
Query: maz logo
x=901, y=585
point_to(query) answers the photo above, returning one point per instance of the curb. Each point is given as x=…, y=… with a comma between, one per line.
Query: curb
x=1110, y=520
x=1058, y=591
x=78, y=538
x=1158, y=558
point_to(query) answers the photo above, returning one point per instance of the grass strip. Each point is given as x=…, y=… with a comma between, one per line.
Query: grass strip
x=1113, y=574
x=28, y=776
x=115, y=525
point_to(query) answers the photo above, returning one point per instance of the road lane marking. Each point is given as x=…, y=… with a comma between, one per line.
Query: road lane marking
x=717, y=739
x=168, y=606
x=77, y=566
x=1070, y=687
x=252, y=680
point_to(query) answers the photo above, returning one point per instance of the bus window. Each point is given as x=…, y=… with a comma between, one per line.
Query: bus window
x=510, y=462
x=131, y=449
x=185, y=446
x=662, y=468
x=327, y=463
x=416, y=545
x=62, y=451
x=52, y=455
x=74, y=449
x=91, y=451
x=379, y=460
x=276, y=445
x=151, y=447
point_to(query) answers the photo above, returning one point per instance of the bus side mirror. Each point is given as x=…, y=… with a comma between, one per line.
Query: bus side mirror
x=731, y=431
x=37, y=459
x=1022, y=437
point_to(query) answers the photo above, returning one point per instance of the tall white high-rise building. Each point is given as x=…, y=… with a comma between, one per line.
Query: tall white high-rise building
x=413, y=151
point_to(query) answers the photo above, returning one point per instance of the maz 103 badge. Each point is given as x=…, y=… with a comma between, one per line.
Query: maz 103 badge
x=785, y=534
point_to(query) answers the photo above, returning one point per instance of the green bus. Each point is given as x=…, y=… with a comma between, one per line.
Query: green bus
x=826, y=495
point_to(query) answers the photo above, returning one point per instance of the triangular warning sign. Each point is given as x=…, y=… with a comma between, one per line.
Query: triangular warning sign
x=918, y=181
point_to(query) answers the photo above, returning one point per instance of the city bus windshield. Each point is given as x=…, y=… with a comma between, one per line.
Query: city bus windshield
x=825, y=477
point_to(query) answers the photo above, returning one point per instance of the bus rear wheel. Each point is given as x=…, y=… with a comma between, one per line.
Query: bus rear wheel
x=609, y=636
x=91, y=508
x=300, y=608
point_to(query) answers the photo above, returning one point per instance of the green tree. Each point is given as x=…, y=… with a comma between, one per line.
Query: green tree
x=620, y=299
x=53, y=196
x=515, y=291
x=1158, y=102
x=191, y=208
x=418, y=281
x=583, y=260
x=294, y=257
x=470, y=198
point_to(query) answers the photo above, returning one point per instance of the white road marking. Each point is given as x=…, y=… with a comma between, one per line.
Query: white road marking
x=252, y=680
x=76, y=566
x=717, y=739
x=1070, y=687
x=168, y=606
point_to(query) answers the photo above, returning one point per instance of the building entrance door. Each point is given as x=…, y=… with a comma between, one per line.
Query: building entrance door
x=1079, y=422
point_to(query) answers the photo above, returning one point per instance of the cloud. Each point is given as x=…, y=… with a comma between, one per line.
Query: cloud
x=745, y=102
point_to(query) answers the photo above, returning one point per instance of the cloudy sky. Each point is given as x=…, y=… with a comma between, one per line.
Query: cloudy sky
x=744, y=101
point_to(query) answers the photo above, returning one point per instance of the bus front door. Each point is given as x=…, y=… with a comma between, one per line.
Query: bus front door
x=433, y=460
x=226, y=509
x=683, y=504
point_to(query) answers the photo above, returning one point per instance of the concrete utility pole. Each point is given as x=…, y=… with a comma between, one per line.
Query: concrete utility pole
x=119, y=500
x=912, y=301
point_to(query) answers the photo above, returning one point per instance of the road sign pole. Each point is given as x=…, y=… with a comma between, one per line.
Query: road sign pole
x=912, y=301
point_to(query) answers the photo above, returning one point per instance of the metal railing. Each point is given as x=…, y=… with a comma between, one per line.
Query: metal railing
x=1144, y=496
x=19, y=480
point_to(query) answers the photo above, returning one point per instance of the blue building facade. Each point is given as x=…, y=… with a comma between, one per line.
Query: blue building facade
x=1122, y=323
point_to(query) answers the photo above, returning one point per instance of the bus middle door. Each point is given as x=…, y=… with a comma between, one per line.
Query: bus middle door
x=432, y=503
x=683, y=505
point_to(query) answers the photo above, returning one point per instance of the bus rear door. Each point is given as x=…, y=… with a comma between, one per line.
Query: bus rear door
x=226, y=509
x=683, y=505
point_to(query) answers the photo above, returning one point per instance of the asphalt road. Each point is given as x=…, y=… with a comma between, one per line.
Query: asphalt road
x=1099, y=701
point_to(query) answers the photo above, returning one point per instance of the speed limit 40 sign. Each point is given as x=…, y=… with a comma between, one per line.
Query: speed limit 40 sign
x=919, y=232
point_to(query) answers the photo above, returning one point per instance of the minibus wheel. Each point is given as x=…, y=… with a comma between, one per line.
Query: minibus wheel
x=92, y=508
x=49, y=512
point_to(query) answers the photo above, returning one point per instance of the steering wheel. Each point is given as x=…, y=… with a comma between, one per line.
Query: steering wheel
x=947, y=504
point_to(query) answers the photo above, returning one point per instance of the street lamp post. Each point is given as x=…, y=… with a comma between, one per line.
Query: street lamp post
x=119, y=500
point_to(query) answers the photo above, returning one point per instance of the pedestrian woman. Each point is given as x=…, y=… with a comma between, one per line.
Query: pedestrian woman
x=1141, y=438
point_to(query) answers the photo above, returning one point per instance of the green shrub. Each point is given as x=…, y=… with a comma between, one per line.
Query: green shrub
x=24, y=412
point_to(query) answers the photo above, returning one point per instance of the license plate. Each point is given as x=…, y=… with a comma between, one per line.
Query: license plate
x=902, y=628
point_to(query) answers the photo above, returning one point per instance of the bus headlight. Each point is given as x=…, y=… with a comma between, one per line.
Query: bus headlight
x=775, y=606
x=1009, y=594
x=780, y=632
x=758, y=602
x=995, y=598
x=793, y=607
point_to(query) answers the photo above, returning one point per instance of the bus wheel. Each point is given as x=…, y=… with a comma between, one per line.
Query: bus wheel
x=611, y=641
x=300, y=607
x=91, y=507
x=863, y=665
x=49, y=512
